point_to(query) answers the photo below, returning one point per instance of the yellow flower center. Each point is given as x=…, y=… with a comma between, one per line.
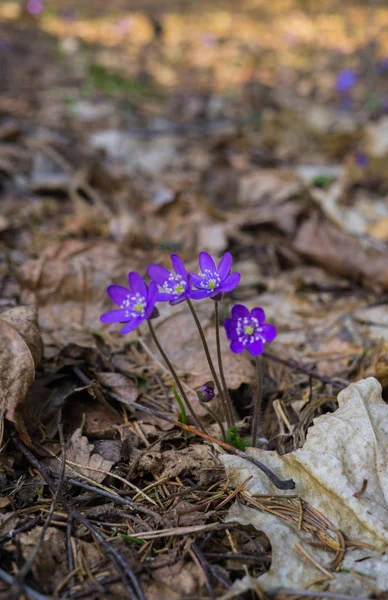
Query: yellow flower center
x=179, y=288
x=248, y=330
x=212, y=284
x=139, y=307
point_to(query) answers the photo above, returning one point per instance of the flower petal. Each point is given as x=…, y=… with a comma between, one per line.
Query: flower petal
x=231, y=329
x=225, y=265
x=206, y=263
x=259, y=314
x=239, y=310
x=131, y=325
x=118, y=293
x=152, y=294
x=137, y=283
x=178, y=266
x=199, y=294
x=268, y=332
x=237, y=347
x=256, y=348
x=180, y=298
x=158, y=273
x=165, y=297
x=114, y=316
x=229, y=283
x=196, y=280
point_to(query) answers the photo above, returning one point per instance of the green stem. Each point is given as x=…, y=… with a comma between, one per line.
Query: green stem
x=229, y=404
x=257, y=409
x=175, y=377
x=209, y=360
x=216, y=418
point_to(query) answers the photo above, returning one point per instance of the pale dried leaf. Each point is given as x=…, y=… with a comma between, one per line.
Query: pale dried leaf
x=20, y=352
x=343, y=450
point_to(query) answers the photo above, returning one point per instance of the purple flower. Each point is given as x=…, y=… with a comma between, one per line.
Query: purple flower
x=247, y=329
x=34, y=7
x=213, y=280
x=346, y=80
x=206, y=392
x=176, y=286
x=136, y=303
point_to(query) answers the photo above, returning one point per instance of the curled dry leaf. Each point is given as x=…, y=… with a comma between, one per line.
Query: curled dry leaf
x=20, y=352
x=363, y=261
x=342, y=471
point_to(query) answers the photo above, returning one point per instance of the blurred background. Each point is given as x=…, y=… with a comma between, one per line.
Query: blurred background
x=180, y=125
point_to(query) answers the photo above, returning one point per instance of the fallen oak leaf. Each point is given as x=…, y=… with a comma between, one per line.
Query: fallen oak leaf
x=21, y=349
x=342, y=450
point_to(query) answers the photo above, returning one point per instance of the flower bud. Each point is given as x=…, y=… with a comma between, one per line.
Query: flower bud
x=206, y=392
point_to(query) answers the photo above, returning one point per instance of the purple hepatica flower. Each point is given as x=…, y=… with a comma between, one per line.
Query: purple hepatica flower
x=346, y=80
x=136, y=303
x=213, y=280
x=206, y=392
x=247, y=329
x=176, y=286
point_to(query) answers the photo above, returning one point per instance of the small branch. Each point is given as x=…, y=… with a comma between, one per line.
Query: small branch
x=114, y=554
x=294, y=365
x=19, y=577
x=259, y=395
x=27, y=590
x=281, y=484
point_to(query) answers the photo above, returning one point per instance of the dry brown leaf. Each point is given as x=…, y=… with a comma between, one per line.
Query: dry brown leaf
x=121, y=385
x=89, y=464
x=272, y=185
x=341, y=254
x=68, y=283
x=20, y=352
x=50, y=565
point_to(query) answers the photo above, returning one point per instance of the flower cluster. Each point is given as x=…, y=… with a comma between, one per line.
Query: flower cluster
x=245, y=329
x=137, y=303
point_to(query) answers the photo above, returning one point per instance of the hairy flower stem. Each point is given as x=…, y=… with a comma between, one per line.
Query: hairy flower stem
x=175, y=377
x=257, y=410
x=216, y=418
x=228, y=402
x=210, y=362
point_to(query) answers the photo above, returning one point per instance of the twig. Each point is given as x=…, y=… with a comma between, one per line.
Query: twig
x=281, y=484
x=114, y=497
x=27, y=590
x=206, y=570
x=118, y=560
x=19, y=577
x=69, y=549
x=294, y=365
x=259, y=395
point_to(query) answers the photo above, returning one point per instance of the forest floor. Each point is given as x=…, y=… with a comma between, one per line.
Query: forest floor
x=128, y=135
